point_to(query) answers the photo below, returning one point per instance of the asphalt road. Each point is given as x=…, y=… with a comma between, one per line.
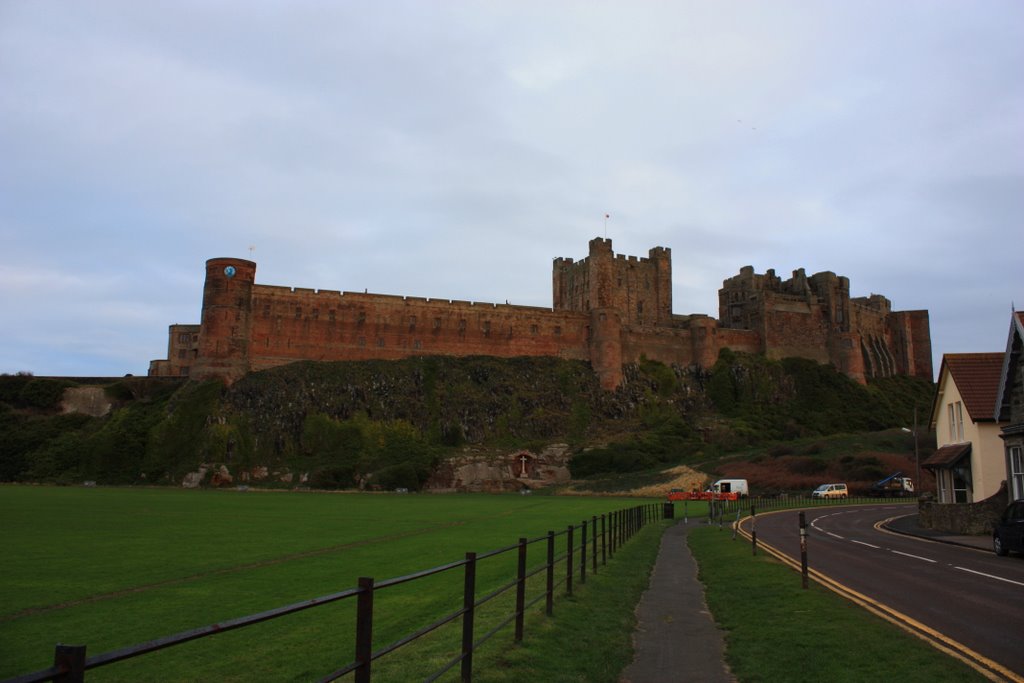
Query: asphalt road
x=969, y=601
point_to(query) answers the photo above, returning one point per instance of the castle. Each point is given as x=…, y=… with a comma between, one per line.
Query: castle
x=607, y=309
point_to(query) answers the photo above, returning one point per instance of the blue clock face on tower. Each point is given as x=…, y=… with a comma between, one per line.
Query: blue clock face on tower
x=230, y=271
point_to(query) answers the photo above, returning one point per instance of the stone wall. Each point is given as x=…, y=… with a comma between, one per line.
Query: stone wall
x=968, y=519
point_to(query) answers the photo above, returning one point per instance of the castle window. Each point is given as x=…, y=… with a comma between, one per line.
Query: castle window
x=640, y=307
x=361, y=342
x=361, y=318
x=182, y=353
x=183, y=338
x=316, y=314
x=558, y=331
x=487, y=327
x=298, y=312
x=266, y=310
x=417, y=344
x=534, y=329
x=183, y=371
x=437, y=323
x=380, y=342
x=462, y=325
x=195, y=338
x=412, y=321
x=331, y=315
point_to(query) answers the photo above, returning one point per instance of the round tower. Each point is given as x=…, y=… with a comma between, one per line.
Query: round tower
x=226, y=319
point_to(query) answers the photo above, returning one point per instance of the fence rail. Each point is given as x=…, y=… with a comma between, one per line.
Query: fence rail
x=616, y=528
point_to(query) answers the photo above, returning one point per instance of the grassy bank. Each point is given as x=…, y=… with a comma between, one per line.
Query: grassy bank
x=776, y=631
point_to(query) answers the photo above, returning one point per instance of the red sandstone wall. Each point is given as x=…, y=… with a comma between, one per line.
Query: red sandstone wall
x=793, y=327
x=303, y=324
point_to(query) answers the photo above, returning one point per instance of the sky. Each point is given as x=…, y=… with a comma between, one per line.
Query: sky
x=451, y=149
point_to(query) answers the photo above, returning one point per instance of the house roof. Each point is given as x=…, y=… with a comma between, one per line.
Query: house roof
x=947, y=456
x=977, y=376
x=1010, y=359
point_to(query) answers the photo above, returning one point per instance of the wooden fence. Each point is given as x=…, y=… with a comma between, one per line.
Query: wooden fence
x=589, y=544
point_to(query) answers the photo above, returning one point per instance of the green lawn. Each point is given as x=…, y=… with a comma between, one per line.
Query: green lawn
x=113, y=567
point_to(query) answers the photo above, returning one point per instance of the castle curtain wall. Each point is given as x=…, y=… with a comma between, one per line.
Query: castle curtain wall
x=608, y=309
x=303, y=324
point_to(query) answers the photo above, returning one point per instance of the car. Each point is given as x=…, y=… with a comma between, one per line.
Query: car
x=830, y=491
x=1008, y=533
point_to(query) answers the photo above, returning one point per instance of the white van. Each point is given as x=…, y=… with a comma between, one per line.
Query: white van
x=830, y=491
x=738, y=486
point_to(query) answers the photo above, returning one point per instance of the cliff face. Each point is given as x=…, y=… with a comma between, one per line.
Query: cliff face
x=438, y=422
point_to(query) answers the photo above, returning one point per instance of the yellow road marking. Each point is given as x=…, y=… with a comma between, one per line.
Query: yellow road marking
x=988, y=668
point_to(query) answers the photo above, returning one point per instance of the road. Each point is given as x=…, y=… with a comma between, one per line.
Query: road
x=968, y=601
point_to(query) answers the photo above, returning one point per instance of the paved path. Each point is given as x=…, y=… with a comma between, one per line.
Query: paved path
x=676, y=637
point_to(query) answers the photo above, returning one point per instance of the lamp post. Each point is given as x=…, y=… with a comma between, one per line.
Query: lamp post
x=917, y=458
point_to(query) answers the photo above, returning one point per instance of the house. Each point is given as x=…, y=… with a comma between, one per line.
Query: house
x=969, y=464
x=1010, y=408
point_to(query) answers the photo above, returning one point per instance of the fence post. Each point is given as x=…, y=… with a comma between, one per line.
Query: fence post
x=568, y=561
x=71, y=658
x=549, y=606
x=803, y=550
x=604, y=541
x=468, y=606
x=520, y=590
x=583, y=551
x=753, y=530
x=364, y=629
x=593, y=526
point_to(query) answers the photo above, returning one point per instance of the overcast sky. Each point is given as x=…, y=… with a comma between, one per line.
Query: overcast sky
x=452, y=149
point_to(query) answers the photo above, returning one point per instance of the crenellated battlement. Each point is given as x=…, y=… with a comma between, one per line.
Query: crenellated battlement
x=606, y=308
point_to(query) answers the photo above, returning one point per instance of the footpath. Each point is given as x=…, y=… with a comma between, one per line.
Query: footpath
x=676, y=638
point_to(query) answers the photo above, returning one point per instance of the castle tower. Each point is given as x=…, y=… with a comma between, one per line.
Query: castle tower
x=605, y=321
x=226, y=320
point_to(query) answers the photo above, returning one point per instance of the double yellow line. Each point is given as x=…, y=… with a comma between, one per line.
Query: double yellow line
x=991, y=670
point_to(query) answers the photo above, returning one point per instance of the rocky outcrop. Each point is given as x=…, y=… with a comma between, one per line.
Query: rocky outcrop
x=92, y=401
x=513, y=471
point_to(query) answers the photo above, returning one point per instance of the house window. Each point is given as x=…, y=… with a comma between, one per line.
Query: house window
x=1016, y=473
x=956, y=422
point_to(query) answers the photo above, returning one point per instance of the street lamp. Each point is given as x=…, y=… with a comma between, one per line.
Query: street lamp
x=917, y=458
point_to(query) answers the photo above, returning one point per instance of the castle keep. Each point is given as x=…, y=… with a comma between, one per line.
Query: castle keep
x=607, y=309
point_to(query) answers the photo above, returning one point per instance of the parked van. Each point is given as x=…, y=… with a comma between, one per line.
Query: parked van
x=738, y=486
x=830, y=491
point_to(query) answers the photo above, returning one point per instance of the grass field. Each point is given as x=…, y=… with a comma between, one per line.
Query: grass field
x=114, y=567
x=777, y=631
